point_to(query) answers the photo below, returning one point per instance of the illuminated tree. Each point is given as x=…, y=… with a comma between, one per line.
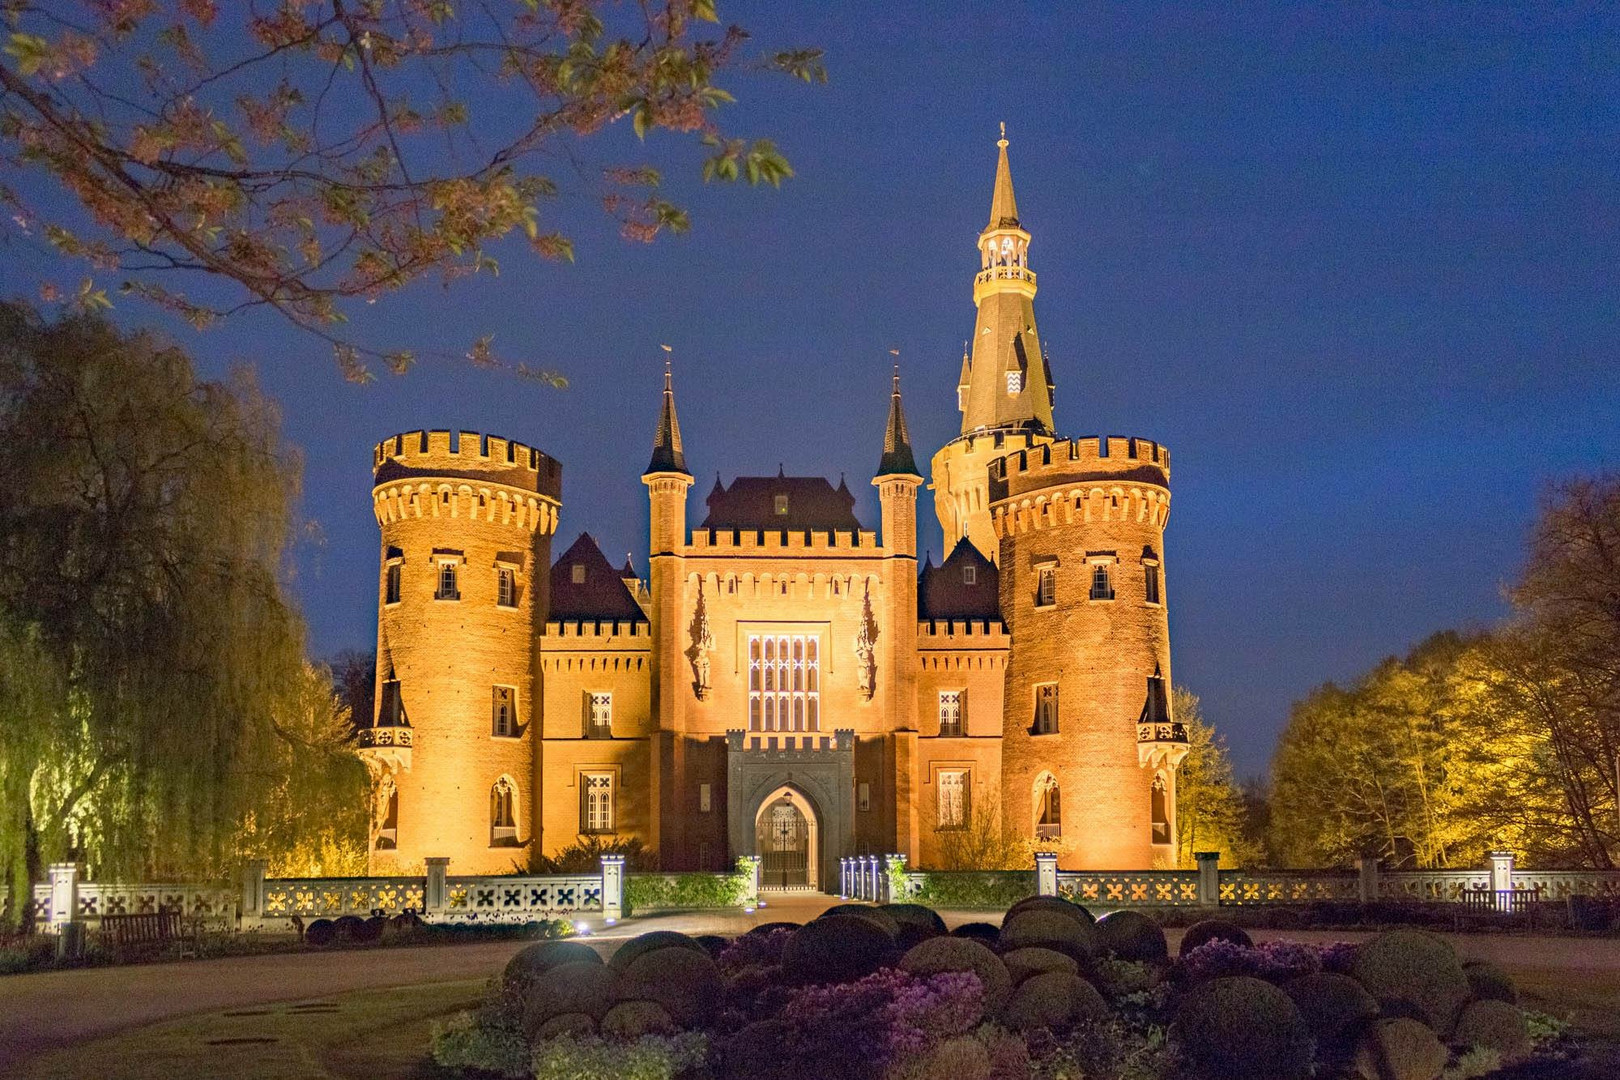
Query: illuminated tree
x=1210, y=810
x=305, y=155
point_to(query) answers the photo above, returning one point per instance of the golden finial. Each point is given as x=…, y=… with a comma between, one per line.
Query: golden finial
x=1002, y=142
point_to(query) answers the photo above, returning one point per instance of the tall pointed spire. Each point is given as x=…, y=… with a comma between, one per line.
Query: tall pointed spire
x=667, y=455
x=897, y=457
x=1003, y=207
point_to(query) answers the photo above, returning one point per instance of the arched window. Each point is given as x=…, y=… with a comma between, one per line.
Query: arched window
x=503, y=813
x=388, y=803
x=1048, y=808
x=1160, y=807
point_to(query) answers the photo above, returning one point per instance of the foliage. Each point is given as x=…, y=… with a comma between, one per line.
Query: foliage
x=464, y=1043
x=1273, y=961
x=973, y=890
x=1210, y=809
x=981, y=843
x=153, y=691
x=651, y=1057
x=643, y=892
x=303, y=156
x=584, y=856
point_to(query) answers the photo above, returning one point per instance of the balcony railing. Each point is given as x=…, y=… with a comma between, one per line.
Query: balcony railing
x=385, y=736
x=1172, y=732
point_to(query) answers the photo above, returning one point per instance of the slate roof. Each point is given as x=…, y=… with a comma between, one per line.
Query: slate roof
x=897, y=458
x=943, y=591
x=602, y=595
x=812, y=504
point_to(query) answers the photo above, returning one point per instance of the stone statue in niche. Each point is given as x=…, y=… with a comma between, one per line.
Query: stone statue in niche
x=866, y=649
x=702, y=645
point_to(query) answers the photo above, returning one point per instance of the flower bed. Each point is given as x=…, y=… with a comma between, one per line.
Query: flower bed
x=881, y=993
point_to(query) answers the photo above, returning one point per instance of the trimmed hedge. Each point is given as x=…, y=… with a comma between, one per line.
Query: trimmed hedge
x=645, y=892
x=988, y=890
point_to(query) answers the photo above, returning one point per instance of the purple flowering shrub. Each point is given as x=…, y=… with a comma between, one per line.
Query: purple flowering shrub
x=1338, y=957
x=1273, y=961
x=754, y=950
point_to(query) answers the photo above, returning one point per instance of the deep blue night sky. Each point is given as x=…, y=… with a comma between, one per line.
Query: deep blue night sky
x=1356, y=269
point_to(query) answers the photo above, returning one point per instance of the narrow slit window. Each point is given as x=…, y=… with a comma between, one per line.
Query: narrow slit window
x=1046, y=708
x=392, y=593
x=1151, y=582
x=503, y=712
x=506, y=587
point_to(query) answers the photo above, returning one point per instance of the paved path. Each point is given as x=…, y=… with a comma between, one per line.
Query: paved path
x=60, y=1008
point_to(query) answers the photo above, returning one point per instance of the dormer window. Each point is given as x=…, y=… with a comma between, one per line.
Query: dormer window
x=970, y=575
x=1015, y=382
x=579, y=573
x=781, y=505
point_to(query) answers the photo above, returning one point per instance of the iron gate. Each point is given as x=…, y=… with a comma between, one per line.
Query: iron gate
x=783, y=843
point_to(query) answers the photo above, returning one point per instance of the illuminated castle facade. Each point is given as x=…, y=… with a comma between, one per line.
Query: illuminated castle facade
x=785, y=681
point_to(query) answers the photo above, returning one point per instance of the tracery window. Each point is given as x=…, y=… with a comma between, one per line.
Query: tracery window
x=1048, y=808
x=1046, y=586
x=784, y=682
x=1102, y=582
x=447, y=582
x=950, y=712
x=596, y=809
x=1046, y=708
x=503, y=813
x=506, y=587
x=599, y=716
x=952, y=811
x=503, y=712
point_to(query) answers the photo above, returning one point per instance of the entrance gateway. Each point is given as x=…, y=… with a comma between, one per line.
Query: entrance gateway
x=790, y=802
x=783, y=843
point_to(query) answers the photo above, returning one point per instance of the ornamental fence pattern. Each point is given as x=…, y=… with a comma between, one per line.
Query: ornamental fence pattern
x=332, y=898
x=1246, y=887
x=521, y=899
x=1157, y=887
x=92, y=900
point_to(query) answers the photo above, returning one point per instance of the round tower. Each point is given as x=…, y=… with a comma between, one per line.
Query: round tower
x=462, y=594
x=1089, y=749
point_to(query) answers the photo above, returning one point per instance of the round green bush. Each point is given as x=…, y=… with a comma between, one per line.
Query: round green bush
x=1048, y=930
x=321, y=933
x=1399, y=1049
x=566, y=1024
x=917, y=915
x=1055, y=999
x=1208, y=930
x=633, y=1019
x=767, y=927
x=1034, y=960
x=642, y=944
x=1495, y=1025
x=532, y=961
x=1488, y=982
x=575, y=987
x=1335, y=1009
x=686, y=982
x=713, y=944
x=877, y=916
x=1243, y=1029
x=1415, y=969
x=960, y=1058
x=960, y=954
x=836, y=948
x=1049, y=903
x=987, y=933
x=349, y=927
x=1130, y=935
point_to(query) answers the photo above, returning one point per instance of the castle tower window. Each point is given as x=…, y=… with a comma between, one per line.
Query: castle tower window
x=1048, y=808
x=1046, y=709
x=950, y=712
x=598, y=716
x=1160, y=807
x=952, y=799
x=388, y=829
x=1015, y=381
x=1151, y=582
x=784, y=682
x=447, y=582
x=505, y=587
x=1102, y=582
x=503, y=712
x=596, y=803
x=391, y=590
x=781, y=505
x=390, y=713
x=970, y=575
x=503, y=813
x=1045, y=586
x=577, y=573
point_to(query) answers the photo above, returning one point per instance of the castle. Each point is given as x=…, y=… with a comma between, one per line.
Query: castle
x=786, y=682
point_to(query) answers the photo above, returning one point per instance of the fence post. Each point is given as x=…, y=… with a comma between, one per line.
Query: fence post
x=1046, y=873
x=843, y=878
x=896, y=866
x=1209, y=877
x=64, y=894
x=436, y=893
x=1367, y=879
x=1502, y=879
x=871, y=878
x=612, y=888
x=253, y=893
x=749, y=864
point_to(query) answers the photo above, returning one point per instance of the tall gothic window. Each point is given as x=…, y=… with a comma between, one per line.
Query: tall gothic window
x=447, y=582
x=1048, y=808
x=598, y=716
x=503, y=813
x=952, y=810
x=505, y=587
x=784, y=682
x=503, y=712
x=1102, y=582
x=1160, y=807
x=391, y=595
x=596, y=803
x=950, y=712
x=1151, y=572
x=1045, y=586
x=1046, y=708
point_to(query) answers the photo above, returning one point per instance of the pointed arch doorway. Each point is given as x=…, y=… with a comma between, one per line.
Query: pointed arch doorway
x=787, y=838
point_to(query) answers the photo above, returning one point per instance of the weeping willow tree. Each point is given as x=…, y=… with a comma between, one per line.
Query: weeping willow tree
x=148, y=653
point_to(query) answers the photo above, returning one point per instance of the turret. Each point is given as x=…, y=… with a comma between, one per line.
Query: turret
x=897, y=481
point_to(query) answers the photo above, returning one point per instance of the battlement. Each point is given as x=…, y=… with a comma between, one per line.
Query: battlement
x=788, y=746
x=796, y=541
x=1077, y=461
x=638, y=632
x=962, y=634
x=466, y=455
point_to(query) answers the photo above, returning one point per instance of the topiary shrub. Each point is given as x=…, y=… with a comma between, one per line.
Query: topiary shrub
x=959, y=1058
x=958, y=954
x=1034, y=960
x=1335, y=1009
x=1049, y=930
x=371, y=929
x=924, y=918
x=633, y=1019
x=1049, y=903
x=1055, y=999
x=686, y=982
x=836, y=948
x=574, y=1024
x=575, y=987
x=984, y=932
x=349, y=927
x=1488, y=982
x=1130, y=935
x=321, y=933
x=532, y=961
x=1416, y=969
x=652, y=941
x=1494, y=1025
x=464, y=1044
x=767, y=927
x=713, y=944
x=1399, y=1049
x=1243, y=1029
x=877, y=916
x=1207, y=930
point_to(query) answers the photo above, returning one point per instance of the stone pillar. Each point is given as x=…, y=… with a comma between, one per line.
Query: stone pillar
x=612, y=888
x=436, y=893
x=869, y=872
x=1209, y=877
x=1501, y=879
x=64, y=895
x=843, y=878
x=253, y=893
x=1367, y=879
x=749, y=865
x=896, y=866
x=1046, y=873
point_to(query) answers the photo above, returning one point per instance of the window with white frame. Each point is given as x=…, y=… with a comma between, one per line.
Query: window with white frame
x=505, y=587
x=784, y=682
x=781, y=505
x=950, y=712
x=503, y=813
x=503, y=712
x=596, y=802
x=1102, y=581
x=1046, y=708
x=1045, y=586
x=447, y=581
x=952, y=799
x=598, y=715
x=970, y=575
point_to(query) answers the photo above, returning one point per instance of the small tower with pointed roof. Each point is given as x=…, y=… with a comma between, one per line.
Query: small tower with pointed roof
x=1004, y=391
x=897, y=481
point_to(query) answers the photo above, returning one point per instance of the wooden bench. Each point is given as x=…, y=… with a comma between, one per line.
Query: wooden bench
x=148, y=928
x=1486, y=903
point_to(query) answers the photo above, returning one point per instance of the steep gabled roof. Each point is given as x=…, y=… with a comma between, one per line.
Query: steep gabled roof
x=812, y=503
x=943, y=591
x=667, y=455
x=601, y=595
x=897, y=458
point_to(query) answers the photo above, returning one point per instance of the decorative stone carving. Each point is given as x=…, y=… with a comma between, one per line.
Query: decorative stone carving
x=866, y=648
x=702, y=645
